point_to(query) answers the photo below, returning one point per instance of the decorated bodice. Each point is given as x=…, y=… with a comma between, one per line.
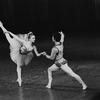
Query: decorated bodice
x=59, y=54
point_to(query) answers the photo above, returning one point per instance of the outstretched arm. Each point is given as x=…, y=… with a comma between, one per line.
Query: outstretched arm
x=36, y=52
x=52, y=55
x=62, y=37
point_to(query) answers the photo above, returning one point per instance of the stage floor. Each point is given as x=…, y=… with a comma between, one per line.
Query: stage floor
x=32, y=91
x=83, y=57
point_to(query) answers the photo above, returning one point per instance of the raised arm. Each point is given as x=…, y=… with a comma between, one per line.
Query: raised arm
x=36, y=52
x=62, y=37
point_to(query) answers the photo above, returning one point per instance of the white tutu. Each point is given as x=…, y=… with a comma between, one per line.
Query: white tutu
x=16, y=56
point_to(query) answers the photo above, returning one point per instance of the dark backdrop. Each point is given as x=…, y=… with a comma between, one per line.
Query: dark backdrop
x=43, y=17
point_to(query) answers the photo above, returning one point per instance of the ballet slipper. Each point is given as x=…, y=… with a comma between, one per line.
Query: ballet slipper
x=85, y=87
x=19, y=82
x=48, y=86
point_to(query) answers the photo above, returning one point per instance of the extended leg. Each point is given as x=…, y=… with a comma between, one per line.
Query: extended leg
x=9, y=39
x=50, y=69
x=69, y=71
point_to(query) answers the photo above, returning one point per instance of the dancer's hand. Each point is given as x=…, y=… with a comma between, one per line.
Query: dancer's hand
x=61, y=33
x=62, y=37
x=44, y=53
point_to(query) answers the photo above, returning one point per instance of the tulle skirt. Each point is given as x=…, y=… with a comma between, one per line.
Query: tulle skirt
x=16, y=56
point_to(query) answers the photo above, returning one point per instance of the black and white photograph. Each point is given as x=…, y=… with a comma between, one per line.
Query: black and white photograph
x=49, y=49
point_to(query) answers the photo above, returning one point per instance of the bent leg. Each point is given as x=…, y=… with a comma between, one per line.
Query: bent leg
x=50, y=70
x=69, y=71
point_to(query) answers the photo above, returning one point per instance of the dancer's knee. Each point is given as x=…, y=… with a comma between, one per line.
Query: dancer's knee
x=76, y=76
x=18, y=68
x=50, y=73
x=49, y=70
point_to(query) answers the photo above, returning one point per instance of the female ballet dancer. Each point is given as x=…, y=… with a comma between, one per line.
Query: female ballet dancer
x=60, y=62
x=21, y=47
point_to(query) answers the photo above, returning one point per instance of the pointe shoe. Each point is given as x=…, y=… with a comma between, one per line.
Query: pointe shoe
x=19, y=82
x=48, y=86
x=85, y=87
